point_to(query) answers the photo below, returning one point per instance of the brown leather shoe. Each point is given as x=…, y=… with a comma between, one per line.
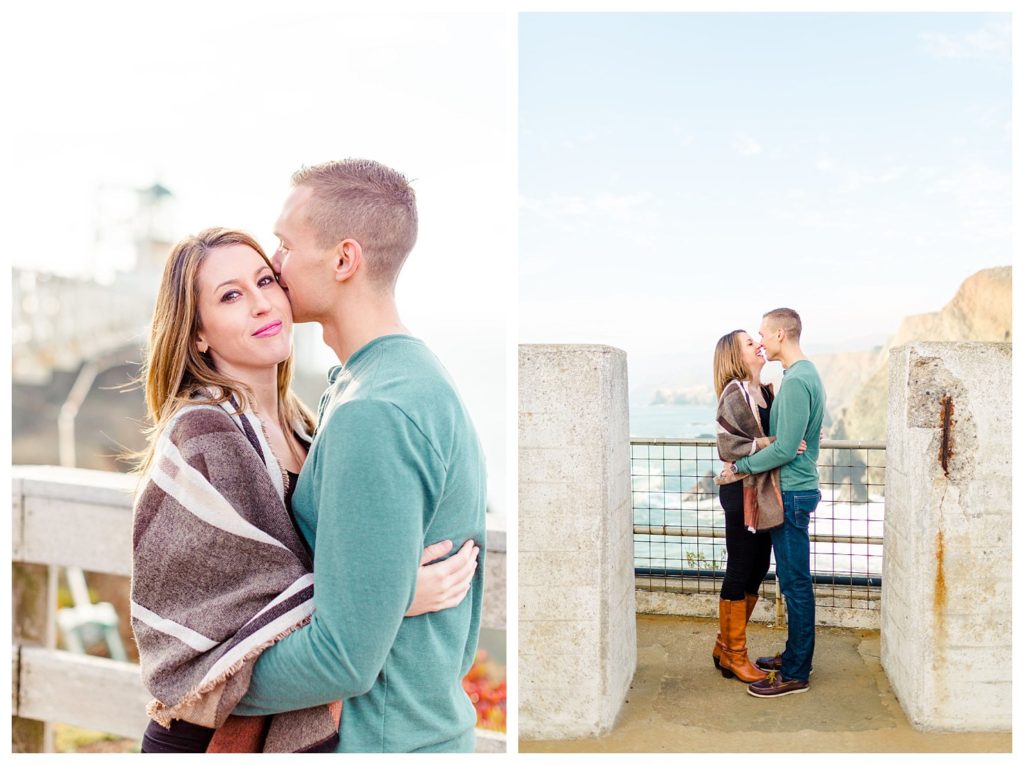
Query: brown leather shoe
x=734, y=659
x=716, y=652
x=772, y=663
x=775, y=685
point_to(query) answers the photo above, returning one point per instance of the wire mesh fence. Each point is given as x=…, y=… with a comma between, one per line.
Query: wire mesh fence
x=679, y=524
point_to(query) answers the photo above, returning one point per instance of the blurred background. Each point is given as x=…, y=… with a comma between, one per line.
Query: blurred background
x=136, y=128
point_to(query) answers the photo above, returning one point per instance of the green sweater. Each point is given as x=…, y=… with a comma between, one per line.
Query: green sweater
x=395, y=465
x=796, y=416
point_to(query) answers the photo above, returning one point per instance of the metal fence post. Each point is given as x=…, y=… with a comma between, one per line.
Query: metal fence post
x=679, y=532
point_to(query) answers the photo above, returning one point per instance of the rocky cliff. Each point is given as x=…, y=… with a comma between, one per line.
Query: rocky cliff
x=844, y=374
x=980, y=310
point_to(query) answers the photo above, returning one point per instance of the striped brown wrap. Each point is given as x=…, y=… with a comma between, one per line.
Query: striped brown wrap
x=219, y=574
x=738, y=428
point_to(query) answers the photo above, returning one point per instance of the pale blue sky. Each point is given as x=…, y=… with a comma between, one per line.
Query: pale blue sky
x=682, y=173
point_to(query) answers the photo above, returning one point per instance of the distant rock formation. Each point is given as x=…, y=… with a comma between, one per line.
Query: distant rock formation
x=979, y=311
x=844, y=374
x=705, y=487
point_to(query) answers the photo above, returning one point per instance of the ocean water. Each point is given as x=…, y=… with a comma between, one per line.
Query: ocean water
x=666, y=493
x=840, y=518
x=671, y=421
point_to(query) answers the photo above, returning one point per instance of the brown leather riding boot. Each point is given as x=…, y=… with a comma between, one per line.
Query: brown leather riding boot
x=716, y=653
x=751, y=602
x=734, y=659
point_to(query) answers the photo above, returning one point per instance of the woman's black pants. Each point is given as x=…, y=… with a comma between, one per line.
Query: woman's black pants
x=181, y=737
x=748, y=555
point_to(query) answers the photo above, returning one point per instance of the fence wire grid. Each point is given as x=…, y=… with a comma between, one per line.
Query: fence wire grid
x=679, y=524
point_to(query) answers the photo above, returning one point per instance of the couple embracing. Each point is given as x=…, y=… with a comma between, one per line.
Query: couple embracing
x=769, y=488
x=247, y=498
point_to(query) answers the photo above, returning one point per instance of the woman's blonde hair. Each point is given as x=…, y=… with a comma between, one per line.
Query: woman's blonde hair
x=174, y=370
x=728, y=364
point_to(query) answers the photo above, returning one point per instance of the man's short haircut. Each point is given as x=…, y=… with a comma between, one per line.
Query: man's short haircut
x=787, y=319
x=363, y=200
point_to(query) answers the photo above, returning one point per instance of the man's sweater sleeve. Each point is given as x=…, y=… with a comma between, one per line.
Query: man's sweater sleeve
x=794, y=412
x=376, y=476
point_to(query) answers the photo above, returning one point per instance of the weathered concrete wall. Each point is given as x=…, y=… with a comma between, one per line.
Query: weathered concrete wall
x=577, y=599
x=946, y=592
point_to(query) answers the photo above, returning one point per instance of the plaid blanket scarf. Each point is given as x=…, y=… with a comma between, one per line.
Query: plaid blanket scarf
x=218, y=575
x=738, y=428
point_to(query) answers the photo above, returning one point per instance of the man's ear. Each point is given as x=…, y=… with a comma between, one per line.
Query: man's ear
x=349, y=259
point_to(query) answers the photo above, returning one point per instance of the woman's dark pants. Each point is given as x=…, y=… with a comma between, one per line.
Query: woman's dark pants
x=748, y=555
x=182, y=737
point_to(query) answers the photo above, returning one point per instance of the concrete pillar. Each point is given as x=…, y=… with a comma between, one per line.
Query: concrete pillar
x=946, y=590
x=577, y=600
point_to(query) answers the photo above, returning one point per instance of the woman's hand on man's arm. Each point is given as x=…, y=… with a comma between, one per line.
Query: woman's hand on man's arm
x=445, y=584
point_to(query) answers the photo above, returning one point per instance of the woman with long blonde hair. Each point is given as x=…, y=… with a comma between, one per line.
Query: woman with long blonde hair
x=752, y=504
x=221, y=571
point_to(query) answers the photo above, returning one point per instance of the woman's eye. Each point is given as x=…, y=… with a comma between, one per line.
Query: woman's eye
x=265, y=280
x=230, y=295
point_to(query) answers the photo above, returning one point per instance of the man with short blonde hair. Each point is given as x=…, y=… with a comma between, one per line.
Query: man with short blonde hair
x=363, y=200
x=796, y=416
x=787, y=320
x=395, y=460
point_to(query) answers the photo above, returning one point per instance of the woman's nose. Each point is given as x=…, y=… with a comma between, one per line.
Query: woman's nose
x=261, y=304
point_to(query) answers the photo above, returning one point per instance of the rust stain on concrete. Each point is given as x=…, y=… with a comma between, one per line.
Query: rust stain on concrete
x=940, y=574
x=946, y=446
x=939, y=610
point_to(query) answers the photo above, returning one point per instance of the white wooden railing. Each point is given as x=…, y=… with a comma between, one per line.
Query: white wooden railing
x=82, y=518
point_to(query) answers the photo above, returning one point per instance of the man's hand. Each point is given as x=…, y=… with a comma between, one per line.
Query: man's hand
x=802, y=448
x=443, y=585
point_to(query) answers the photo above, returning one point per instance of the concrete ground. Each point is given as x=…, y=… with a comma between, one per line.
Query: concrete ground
x=678, y=701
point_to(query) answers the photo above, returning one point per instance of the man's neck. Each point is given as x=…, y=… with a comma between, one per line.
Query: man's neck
x=791, y=354
x=358, y=322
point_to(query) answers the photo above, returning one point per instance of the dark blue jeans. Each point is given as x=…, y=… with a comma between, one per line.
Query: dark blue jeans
x=792, y=546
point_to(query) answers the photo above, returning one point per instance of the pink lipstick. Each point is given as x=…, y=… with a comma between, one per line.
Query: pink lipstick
x=269, y=330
